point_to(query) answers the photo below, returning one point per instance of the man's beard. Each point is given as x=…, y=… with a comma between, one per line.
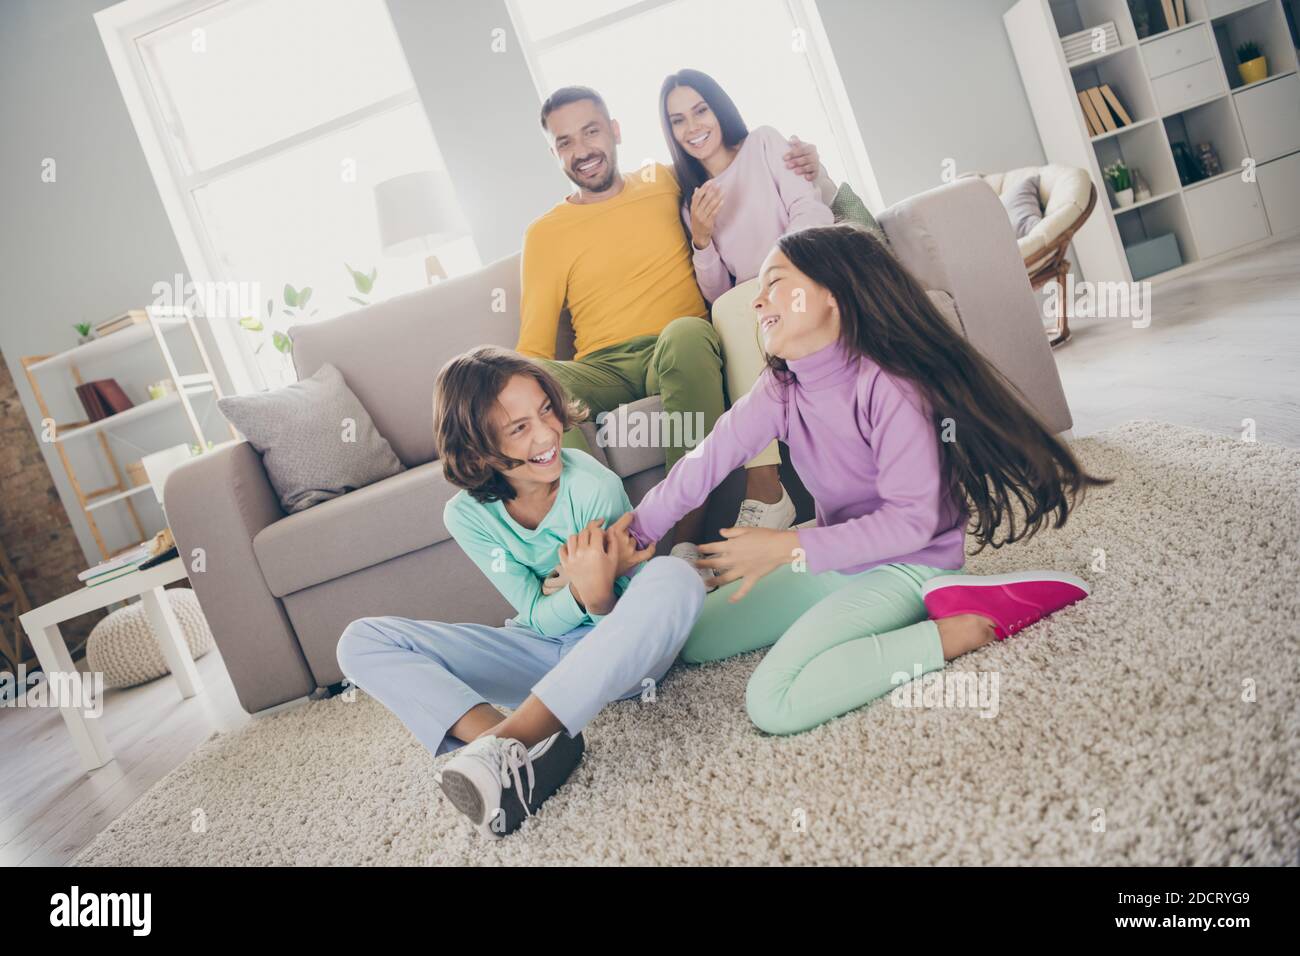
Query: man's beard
x=611, y=171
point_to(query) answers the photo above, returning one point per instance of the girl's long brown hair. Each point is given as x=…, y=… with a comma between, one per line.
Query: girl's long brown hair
x=1003, y=459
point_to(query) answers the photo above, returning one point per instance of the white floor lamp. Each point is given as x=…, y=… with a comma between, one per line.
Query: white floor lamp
x=417, y=213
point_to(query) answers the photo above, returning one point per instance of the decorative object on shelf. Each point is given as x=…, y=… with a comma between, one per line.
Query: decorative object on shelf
x=1141, y=14
x=161, y=389
x=1141, y=189
x=1120, y=182
x=1152, y=256
x=1208, y=159
x=1085, y=43
x=85, y=332
x=1251, y=63
x=1189, y=170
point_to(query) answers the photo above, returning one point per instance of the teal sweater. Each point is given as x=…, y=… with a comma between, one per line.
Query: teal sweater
x=516, y=559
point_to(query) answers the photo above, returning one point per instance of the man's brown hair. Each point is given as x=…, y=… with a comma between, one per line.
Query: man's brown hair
x=464, y=398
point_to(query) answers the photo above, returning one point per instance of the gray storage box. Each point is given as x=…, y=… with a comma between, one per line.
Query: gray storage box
x=1153, y=255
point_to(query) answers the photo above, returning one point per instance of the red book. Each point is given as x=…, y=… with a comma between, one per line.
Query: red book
x=91, y=402
x=111, y=393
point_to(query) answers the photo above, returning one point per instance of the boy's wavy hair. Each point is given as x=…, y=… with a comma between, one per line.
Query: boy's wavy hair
x=464, y=399
x=1003, y=461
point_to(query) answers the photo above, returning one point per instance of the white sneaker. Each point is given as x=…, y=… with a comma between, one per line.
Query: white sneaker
x=690, y=553
x=760, y=514
x=485, y=779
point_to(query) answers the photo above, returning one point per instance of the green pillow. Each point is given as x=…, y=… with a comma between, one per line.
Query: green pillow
x=847, y=207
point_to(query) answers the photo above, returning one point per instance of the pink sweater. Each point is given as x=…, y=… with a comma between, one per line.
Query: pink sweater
x=763, y=201
x=866, y=449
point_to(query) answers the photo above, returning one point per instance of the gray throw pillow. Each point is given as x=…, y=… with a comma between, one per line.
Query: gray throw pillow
x=316, y=439
x=1022, y=205
x=847, y=207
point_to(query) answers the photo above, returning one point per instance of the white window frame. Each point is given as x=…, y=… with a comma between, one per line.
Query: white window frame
x=826, y=77
x=120, y=27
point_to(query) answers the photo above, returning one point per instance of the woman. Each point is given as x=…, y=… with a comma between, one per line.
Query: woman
x=738, y=199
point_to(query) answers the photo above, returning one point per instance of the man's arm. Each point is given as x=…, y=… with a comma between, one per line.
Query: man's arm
x=803, y=159
x=542, y=298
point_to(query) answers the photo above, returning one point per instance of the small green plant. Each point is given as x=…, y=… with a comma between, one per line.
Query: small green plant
x=1117, y=174
x=364, y=283
x=83, y=328
x=1248, y=51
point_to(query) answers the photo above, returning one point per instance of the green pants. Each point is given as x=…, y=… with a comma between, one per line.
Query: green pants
x=682, y=364
x=839, y=639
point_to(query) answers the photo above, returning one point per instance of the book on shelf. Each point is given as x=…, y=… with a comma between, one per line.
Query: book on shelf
x=117, y=566
x=1180, y=10
x=1089, y=114
x=1103, y=111
x=102, y=398
x=124, y=321
x=1112, y=100
x=1171, y=16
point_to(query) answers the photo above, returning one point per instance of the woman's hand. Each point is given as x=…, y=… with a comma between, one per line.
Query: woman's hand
x=705, y=203
x=619, y=540
x=748, y=553
x=590, y=567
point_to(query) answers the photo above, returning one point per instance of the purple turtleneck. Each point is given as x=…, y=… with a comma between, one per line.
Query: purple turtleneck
x=866, y=449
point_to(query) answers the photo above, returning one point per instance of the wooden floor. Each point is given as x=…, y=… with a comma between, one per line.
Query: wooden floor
x=1223, y=346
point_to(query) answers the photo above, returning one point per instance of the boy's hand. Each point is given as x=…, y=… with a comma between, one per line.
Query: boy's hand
x=619, y=540
x=590, y=567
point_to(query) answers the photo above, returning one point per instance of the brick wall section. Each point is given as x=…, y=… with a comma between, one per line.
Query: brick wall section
x=34, y=528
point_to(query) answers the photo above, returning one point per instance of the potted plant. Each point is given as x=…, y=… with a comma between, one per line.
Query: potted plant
x=83, y=332
x=1117, y=175
x=1251, y=64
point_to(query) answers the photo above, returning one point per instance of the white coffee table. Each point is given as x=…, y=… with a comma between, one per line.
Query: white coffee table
x=42, y=627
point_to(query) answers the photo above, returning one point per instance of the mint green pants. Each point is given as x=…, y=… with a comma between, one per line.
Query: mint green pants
x=839, y=640
x=682, y=365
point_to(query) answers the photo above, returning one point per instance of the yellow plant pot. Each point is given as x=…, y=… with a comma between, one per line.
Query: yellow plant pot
x=1252, y=71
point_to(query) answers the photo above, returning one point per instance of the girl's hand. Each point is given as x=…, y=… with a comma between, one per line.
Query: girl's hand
x=619, y=540
x=590, y=567
x=705, y=203
x=803, y=159
x=748, y=553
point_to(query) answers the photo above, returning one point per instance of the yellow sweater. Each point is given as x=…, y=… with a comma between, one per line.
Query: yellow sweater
x=622, y=266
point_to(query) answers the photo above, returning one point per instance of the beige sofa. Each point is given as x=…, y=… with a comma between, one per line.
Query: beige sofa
x=278, y=590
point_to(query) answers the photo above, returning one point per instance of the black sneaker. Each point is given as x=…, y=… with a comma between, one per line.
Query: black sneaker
x=498, y=783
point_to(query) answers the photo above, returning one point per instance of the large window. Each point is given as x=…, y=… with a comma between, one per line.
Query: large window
x=267, y=125
x=771, y=56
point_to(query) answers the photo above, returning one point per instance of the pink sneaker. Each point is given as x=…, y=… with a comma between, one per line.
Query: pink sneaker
x=1013, y=601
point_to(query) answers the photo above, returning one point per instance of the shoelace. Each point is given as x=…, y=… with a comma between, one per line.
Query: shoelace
x=749, y=516
x=514, y=755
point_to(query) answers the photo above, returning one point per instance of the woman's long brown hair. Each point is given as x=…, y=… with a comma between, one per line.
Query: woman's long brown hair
x=1003, y=460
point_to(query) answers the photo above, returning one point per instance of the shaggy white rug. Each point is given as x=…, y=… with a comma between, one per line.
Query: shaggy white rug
x=1153, y=723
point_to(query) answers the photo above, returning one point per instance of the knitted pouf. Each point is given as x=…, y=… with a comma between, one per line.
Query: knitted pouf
x=122, y=645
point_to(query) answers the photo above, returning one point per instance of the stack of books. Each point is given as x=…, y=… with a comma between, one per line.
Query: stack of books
x=102, y=398
x=1103, y=110
x=124, y=321
x=1080, y=46
x=116, y=567
x=1175, y=12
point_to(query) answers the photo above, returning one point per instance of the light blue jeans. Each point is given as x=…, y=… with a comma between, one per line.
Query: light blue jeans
x=431, y=674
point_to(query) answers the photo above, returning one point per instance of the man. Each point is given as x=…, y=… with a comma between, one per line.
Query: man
x=616, y=254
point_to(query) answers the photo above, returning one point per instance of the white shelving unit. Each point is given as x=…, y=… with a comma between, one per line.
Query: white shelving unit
x=1179, y=85
x=156, y=330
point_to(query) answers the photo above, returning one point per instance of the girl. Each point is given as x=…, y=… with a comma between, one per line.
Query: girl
x=738, y=199
x=896, y=425
x=525, y=504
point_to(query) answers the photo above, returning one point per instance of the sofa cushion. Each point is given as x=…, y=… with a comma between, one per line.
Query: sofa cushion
x=316, y=440
x=385, y=520
x=627, y=460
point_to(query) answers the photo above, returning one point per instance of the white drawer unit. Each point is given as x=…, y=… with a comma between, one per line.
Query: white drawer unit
x=1270, y=118
x=1279, y=184
x=1225, y=214
x=1188, y=86
x=1185, y=48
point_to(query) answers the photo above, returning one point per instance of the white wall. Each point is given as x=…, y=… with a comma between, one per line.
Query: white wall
x=931, y=80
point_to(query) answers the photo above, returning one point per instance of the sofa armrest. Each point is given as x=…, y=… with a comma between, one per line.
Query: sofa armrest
x=215, y=505
x=957, y=238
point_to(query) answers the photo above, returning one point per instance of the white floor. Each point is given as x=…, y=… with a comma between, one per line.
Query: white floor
x=1223, y=346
